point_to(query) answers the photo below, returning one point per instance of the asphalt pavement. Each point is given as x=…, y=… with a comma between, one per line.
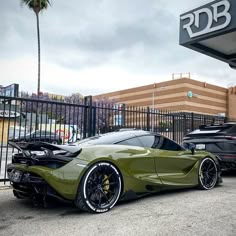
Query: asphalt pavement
x=183, y=212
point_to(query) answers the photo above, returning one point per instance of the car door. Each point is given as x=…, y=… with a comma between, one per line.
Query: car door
x=173, y=163
x=140, y=164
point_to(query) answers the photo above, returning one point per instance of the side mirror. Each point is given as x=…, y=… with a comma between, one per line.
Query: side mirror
x=192, y=147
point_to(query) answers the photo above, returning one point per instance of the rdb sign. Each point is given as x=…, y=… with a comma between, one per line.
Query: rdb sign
x=211, y=18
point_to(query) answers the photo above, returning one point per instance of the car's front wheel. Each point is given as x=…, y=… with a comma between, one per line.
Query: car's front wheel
x=208, y=174
x=54, y=142
x=100, y=188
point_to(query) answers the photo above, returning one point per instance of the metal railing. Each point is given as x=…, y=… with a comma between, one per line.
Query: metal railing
x=24, y=119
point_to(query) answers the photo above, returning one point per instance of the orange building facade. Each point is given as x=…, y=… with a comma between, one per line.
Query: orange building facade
x=183, y=95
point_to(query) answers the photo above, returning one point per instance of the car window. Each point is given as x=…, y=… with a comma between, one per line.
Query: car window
x=159, y=142
x=42, y=133
x=131, y=142
x=149, y=141
x=49, y=133
x=170, y=145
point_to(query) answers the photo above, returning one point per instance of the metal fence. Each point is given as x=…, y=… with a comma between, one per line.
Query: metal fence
x=24, y=119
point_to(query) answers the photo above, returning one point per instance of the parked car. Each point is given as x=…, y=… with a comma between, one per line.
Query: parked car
x=38, y=135
x=217, y=139
x=99, y=171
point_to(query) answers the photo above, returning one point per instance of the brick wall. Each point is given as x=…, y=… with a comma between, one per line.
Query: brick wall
x=232, y=103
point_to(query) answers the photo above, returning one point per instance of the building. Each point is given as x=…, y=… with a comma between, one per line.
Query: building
x=184, y=94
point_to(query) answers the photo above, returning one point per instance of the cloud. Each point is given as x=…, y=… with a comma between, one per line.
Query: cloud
x=97, y=46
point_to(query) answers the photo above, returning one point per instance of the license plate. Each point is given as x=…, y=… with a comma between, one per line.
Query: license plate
x=200, y=146
x=16, y=176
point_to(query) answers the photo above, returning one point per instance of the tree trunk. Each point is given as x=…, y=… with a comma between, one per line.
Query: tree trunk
x=38, y=87
x=39, y=65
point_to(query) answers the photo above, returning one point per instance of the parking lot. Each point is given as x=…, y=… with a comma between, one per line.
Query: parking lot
x=183, y=212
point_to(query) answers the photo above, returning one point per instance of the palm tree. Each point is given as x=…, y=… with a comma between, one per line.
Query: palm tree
x=37, y=6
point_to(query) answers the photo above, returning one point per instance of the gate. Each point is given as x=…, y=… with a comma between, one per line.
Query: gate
x=23, y=119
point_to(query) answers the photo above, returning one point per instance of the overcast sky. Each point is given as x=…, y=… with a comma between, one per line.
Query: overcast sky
x=98, y=46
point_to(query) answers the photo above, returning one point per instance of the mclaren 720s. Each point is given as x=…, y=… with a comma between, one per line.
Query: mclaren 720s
x=99, y=171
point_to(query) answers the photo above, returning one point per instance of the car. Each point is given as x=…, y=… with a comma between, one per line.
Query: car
x=99, y=171
x=38, y=135
x=219, y=139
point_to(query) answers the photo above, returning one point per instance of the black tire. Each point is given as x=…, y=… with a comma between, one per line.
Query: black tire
x=100, y=188
x=54, y=142
x=208, y=174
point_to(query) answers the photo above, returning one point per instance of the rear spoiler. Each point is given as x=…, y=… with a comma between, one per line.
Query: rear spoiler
x=25, y=147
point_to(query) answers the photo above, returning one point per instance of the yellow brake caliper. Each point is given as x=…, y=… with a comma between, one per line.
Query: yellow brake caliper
x=106, y=184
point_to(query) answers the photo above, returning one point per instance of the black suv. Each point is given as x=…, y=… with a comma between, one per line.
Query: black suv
x=217, y=139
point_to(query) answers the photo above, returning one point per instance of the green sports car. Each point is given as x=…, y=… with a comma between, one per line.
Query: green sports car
x=99, y=171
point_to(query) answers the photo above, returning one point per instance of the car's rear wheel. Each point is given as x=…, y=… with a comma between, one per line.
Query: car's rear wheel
x=100, y=188
x=208, y=174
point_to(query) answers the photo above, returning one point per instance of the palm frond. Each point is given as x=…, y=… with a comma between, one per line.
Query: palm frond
x=40, y=4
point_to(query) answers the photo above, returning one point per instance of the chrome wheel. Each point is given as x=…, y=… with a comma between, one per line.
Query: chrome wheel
x=208, y=174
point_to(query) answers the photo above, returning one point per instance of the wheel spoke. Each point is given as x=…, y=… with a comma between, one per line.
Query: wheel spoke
x=104, y=194
x=93, y=189
x=109, y=184
x=112, y=192
x=92, y=180
x=99, y=198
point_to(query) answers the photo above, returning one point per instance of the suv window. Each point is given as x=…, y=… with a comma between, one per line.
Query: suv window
x=227, y=147
x=213, y=147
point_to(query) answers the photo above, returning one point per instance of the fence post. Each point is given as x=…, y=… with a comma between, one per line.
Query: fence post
x=226, y=119
x=123, y=114
x=148, y=118
x=173, y=126
x=94, y=121
x=184, y=125
x=88, y=116
x=192, y=121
